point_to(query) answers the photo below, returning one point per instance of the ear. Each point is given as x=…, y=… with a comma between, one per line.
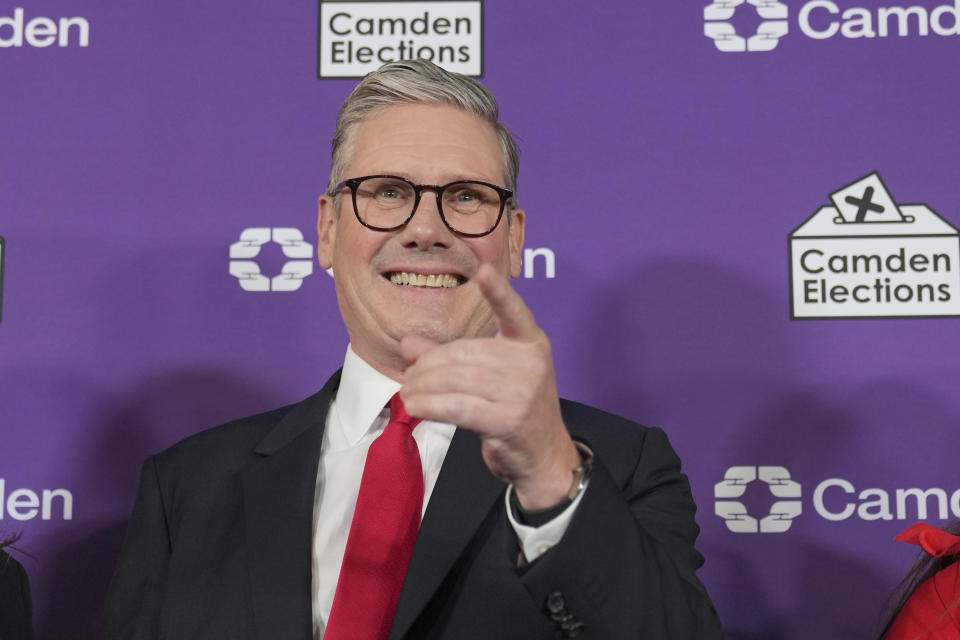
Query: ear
x=326, y=231
x=515, y=238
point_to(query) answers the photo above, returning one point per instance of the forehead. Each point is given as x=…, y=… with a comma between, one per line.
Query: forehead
x=426, y=143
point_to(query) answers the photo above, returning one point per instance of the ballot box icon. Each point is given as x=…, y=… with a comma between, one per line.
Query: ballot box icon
x=866, y=200
x=868, y=256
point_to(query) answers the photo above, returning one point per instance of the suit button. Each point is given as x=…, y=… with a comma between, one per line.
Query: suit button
x=555, y=603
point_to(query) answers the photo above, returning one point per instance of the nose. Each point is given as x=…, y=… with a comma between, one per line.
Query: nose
x=426, y=231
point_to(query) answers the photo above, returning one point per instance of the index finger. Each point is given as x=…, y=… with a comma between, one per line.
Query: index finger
x=514, y=317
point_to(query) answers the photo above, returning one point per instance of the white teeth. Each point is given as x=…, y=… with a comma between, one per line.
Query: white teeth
x=435, y=281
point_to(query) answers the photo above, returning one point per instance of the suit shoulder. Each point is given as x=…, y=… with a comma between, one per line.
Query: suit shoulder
x=238, y=436
x=233, y=445
x=582, y=418
x=618, y=441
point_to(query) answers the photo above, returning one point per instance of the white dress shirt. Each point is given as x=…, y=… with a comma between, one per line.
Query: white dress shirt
x=357, y=416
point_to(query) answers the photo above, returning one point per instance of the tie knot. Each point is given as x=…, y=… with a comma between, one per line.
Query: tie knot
x=399, y=414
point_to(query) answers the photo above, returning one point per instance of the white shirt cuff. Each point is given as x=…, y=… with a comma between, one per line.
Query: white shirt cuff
x=536, y=541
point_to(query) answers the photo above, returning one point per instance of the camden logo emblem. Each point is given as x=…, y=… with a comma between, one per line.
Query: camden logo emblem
x=867, y=256
x=717, y=25
x=298, y=266
x=734, y=512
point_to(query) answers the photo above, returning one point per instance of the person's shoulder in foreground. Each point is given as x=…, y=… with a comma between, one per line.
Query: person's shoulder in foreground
x=929, y=596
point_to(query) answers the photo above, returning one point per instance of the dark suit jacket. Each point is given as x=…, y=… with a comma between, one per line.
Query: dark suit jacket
x=219, y=544
x=16, y=610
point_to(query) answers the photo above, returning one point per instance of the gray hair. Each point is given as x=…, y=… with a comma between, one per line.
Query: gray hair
x=412, y=82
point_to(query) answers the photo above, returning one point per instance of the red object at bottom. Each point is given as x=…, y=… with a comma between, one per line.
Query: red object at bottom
x=933, y=611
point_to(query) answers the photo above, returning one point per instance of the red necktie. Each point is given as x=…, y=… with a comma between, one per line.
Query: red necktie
x=382, y=534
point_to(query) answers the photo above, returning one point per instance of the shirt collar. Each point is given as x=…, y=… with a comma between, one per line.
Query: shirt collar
x=363, y=394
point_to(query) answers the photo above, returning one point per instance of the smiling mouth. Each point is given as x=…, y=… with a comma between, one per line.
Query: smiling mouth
x=432, y=281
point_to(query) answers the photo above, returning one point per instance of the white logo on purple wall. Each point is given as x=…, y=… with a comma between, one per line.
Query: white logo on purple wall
x=734, y=512
x=717, y=25
x=41, y=32
x=538, y=262
x=293, y=272
x=355, y=37
x=26, y=504
x=834, y=499
x=825, y=19
x=867, y=256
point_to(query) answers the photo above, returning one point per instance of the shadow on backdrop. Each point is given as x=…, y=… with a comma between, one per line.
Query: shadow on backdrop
x=707, y=353
x=74, y=575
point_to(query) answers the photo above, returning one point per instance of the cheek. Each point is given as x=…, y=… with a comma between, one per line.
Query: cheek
x=353, y=252
x=492, y=248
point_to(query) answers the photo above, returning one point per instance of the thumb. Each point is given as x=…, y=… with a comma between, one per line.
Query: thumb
x=513, y=316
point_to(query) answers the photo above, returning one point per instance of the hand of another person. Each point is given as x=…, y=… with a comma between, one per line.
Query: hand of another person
x=502, y=388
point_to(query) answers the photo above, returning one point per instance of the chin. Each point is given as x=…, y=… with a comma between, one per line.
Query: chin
x=433, y=331
x=438, y=325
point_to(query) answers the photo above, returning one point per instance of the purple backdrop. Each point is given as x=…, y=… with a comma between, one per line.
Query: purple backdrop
x=662, y=177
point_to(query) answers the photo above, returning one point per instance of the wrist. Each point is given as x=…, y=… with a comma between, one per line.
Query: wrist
x=562, y=486
x=536, y=517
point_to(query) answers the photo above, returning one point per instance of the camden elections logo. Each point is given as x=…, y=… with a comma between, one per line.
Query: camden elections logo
x=717, y=27
x=734, y=513
x=356, y=37
x=291, y=276
x=869, y=257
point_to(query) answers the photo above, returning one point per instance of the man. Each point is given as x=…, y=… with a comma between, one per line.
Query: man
x=541, y=518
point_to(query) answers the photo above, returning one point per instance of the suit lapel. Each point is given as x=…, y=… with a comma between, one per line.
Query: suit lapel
x=464, y=494
x=278, y=496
